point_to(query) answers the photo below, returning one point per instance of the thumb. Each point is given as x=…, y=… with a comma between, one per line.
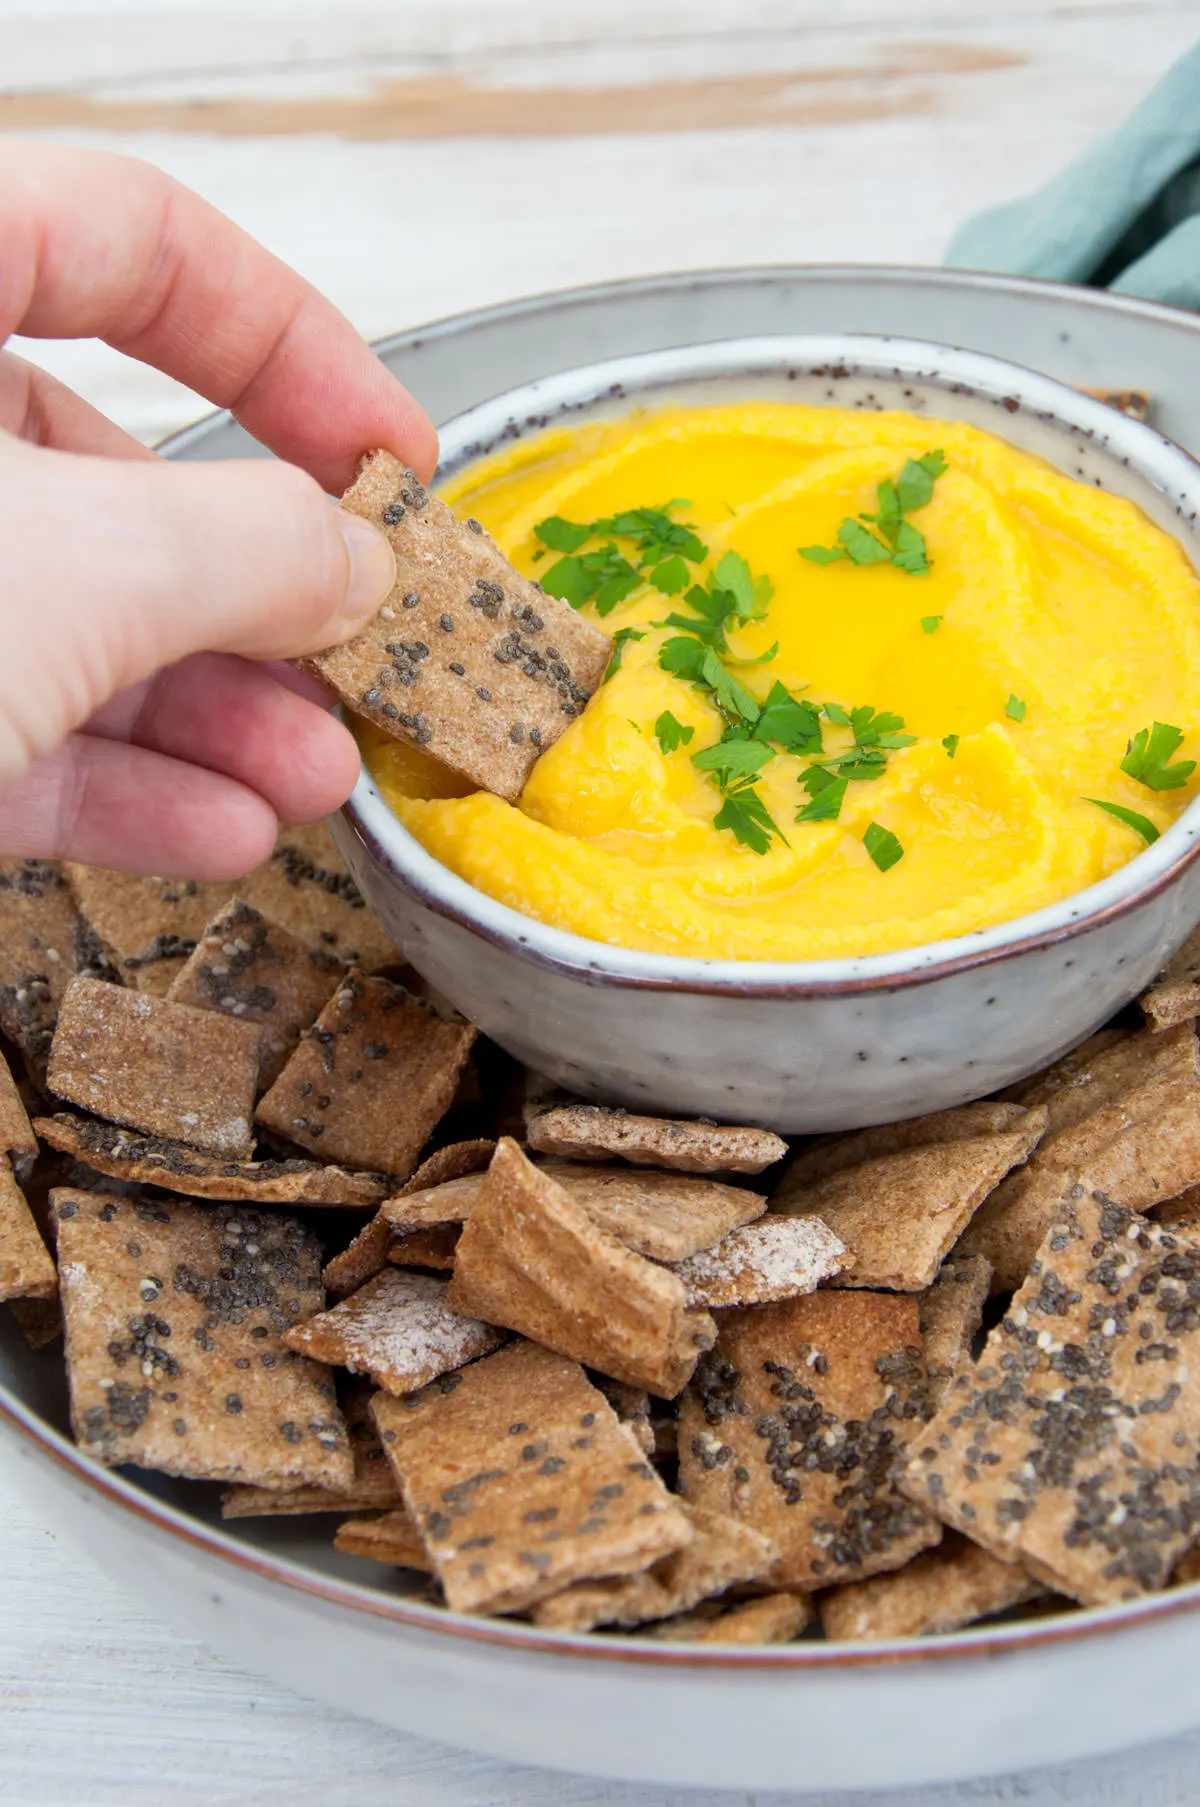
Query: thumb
x=115, y=568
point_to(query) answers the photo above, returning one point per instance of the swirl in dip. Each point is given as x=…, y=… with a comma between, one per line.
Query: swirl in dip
x=1052, y=625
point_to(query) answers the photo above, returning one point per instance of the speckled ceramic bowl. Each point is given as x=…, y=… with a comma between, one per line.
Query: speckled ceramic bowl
x=805, y=1045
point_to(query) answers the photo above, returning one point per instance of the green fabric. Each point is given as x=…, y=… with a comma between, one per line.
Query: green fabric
x=1125, y=215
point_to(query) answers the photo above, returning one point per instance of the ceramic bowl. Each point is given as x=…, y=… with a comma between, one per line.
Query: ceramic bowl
x=274, y=1596
x=804, y=1045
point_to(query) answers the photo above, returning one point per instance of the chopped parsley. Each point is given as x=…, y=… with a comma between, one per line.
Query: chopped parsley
x=894, y=541
x=826, y=794
x=931, y=623
x=951, y=744
x=1140, y=824
x=728, y=598
x=1147, y=754
x=795, y=725
x=604, y=577
x=662, y=549
x=733, y=760
x=1015, y=709
x=883, y=846
x=748, y=819
x=620, y=641
x=671, y=733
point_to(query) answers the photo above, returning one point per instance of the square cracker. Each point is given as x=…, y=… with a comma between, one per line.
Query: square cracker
x=44, y=942
x=163, y=1068
x=371, y=1079
x=950, y=1314
x=17, y=1139
x=532, y=1258
x=436, y=1247
x=26, y=1266
x=900, y=1214
x=306, y=887
x=246, y=966
x=175, y=1316
x=773, y=1619
x=775, y=1258
x=599, y=1132
x=368, y=1253
x=522, y=1480
x=1130, y=1129
x=795, y=1423
x=940, y=1590
x=1175, y=995
x=466, y=658
x=826, y=1155
x=392, y=1538
x=373, y=1487
x=1071, y=1445
x=398, y=1329
x=123, y=1154
x=721, y=1554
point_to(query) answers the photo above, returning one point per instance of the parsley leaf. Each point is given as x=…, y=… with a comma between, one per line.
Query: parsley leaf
x=878, y=730
x=897, y=541
x=604, y=577
x=827, y=794
x=683, y=657
x=1015, y=709
x=671, y=733
x=914, y=486
x=748, y=819
x=731, y=699
x=795, y=725
x=1147, y=754
x=671, y=576
x=909, y=553
x=883, y=846
x=951, y=744
x=862, y=547
x=931, y=623
x=1140, y=824
x=731, y=761
x=750, y=594
x=823, y=555
x=563, y=536
x=620, y=641
x=708, y=622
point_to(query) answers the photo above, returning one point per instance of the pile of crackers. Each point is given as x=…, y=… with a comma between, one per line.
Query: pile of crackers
x=300, y=1230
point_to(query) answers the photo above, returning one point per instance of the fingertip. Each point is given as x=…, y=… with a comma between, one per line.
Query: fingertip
x=325, y=769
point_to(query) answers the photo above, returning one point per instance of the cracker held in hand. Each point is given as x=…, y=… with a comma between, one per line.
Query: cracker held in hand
x=372, y=1488
x=522, y=1481
x=941, y=1590
x=174, y=1318
x=775, y=1258
x=721, y=1554
x=139, y=1061
x=157, y=1161
x=532, y=1258
x=44, y=942
x=368, y=1253
x=26, y=1265
x=795, y=1423
x=1072, y=1444
x=900, y=1214
x=466, y=658
x=249, y=967
x=371, y=1079
x=398, y=1329
x=597, y=1132
x=950, y=1314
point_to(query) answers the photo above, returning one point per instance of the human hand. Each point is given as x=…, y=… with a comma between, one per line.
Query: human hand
x=138, y=727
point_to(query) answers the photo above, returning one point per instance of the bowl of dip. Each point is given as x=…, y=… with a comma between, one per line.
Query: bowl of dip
x=979, y=882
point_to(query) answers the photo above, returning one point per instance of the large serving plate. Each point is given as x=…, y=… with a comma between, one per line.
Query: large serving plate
x=275, y=1597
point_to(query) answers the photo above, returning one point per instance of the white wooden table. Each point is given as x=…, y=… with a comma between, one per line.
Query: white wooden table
x=416, y=160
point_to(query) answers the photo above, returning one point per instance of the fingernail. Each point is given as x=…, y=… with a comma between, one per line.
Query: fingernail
x=372, y=567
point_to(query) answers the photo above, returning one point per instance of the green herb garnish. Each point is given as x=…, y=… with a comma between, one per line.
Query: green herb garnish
x=826, y=792
x=729, y=597
x=931, y=623
x=731, y=699
x=1140, y=824
x=883, y=846
x=1147, y=754
x=793, y=724
x=951, y=744
x=895, y=540
x=605, y=576
x=671, y=733
x=1015, y=709
x=620, y=641
x=748, y=819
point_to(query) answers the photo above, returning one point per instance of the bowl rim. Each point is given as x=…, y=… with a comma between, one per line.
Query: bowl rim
x=1159, y=461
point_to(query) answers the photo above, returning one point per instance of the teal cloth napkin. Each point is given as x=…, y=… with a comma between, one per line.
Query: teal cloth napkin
x=1125, y=215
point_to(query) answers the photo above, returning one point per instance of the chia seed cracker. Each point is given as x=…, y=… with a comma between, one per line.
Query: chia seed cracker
x=248, y=967
x=171, y=1165
x=26, y=1265
x=397, y=1328
x=16, y=1131
x=436, y=1247
x=775, y=1258
x=373, y=1487
x=1175, y=995
x=137, y=1060
x=1072, y=1444
x=940, y=1590
x=392, y=1538
x=531, y=1258
x=429, y=1207
x=368, y=1253
x=597, y=1132
x=39, y=1320
x=826, y=1155
x=511, y=658
x=722, y=1554
x=950, y=1315
x=773, y=1619
x=522, y=1481
x=900, y=1214
x=44, y=942
x=632, y=1406
x=371, y=1079
x=175, y=1315
x=794, y=1424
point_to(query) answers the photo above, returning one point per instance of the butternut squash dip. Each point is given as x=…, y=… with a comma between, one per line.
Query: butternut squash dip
x=876, y=680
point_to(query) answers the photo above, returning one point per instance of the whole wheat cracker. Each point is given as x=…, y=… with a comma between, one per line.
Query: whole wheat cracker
x=1174, y=996
x=1072, y=1444
x=1095, y=1073
x=900, y=1214
x=428, y=1207
x=397, y=1328
x=372, y=1488
x=162, y=1068
x=940, y=1590
x=827, y=1155
x=1187, y=1568
x=393, y=1537
x=27, y=1268
x=306, y=887
x=1182, y=1213
x=17, y=1139
x=40, y=1321
x=951, y=1312
x=723, y=1553
x=436, y=1247
x=522, y=1480
x=247, y=966
x=159, y=1161
x=174, y=1321
x=371, y=1079
x=598, y=1132
x=368, y=1253
x=466, y=658
x=795, y=1423
x=530, y=1257
x=44, y=942
x=775, y=1258
x=771, y=1619
x=632, y=1406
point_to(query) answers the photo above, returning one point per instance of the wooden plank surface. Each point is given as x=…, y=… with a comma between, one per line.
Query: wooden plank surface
x=414, y=161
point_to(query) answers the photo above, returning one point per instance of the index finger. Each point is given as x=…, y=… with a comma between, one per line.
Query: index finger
x=103, y=246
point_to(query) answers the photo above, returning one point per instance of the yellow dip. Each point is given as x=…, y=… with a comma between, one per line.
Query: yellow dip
x=1047, y=591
